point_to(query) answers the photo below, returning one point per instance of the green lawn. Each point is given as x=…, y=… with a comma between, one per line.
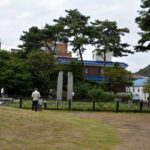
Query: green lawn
x=22, y=129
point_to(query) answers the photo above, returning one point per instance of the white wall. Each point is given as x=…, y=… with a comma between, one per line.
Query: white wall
x=138, y=90
x=96, y=57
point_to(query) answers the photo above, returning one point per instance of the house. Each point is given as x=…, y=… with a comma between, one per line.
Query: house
x=93, y=68
x=137, y=89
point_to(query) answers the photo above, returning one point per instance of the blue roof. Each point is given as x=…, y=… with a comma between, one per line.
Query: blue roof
x=140, y=82
x=93, y=63
x=102, y=63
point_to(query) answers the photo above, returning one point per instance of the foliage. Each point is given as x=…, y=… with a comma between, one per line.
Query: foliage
x=145, y=71
x=51, y=35
x=124, y=96
x=76, y=27
x=117, y=78
x=76, y=68
x=41, y=65
x=31, y=39
x=36, y=39
x=81, y=90
x=147, y=87
x=13, y=73
x=143, y=20
x=21, y=73
x=98, y=94
x=106, y=37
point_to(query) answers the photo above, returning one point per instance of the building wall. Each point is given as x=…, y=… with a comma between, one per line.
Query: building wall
x=96, y=57
x=62, y=50
x=92, y=70
x=139, y=91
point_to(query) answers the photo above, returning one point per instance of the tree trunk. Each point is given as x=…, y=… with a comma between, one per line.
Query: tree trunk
x=104, y=65
x=55, y=44
x=82, y=63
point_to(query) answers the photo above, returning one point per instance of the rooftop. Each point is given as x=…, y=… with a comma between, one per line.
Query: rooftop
x=140, y=81
x=65, y=60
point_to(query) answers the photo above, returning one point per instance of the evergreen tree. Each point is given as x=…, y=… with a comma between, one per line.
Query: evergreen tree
x=143, y=20
x=31, y=39
x=106, y=37
x=76, y=29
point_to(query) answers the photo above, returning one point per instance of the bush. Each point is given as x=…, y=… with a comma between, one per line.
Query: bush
x=100, y=95
x=108, y=96
x=124, y=96
x=81, y=90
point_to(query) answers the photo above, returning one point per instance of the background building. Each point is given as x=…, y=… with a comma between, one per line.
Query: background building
x=93, y=68
x=137, y=89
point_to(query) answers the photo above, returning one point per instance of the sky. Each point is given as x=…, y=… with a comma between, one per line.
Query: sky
x=17, y=16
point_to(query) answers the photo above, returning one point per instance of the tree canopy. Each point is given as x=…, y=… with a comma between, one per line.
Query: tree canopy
x=106, y=37
x=147, y=87
x=143, y=20
x=76, y=30
x=76, y=27
x=14, y=75
x=118, y=78
x=31, y=39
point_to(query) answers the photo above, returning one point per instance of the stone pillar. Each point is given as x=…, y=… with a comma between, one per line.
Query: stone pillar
x=70, y=86
x=60, y=86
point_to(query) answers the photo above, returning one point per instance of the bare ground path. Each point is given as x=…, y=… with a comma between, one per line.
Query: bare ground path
x=133, y=128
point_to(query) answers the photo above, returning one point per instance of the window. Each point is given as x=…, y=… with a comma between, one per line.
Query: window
x=133, y=89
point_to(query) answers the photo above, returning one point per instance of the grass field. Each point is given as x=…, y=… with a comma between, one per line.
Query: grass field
x=22, y=129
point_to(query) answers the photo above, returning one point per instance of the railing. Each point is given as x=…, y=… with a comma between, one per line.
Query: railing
x=115, y=106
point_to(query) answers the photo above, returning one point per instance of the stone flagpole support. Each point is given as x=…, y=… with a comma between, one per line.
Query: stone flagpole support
x=59, y=87
x=70, y=88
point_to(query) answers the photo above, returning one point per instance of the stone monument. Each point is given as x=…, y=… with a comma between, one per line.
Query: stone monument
x=60, y=86
x=70, y=86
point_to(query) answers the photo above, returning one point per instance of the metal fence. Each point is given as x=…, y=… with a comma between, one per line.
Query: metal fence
x=114, y=106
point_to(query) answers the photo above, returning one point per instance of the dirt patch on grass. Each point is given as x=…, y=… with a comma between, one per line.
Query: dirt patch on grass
x=133, y=128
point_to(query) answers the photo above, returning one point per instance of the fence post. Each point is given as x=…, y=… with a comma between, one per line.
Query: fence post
x=20, y=102
x=93, y=105
x=57, y=104
x=45, y=104
x=70, y=104
x=117, y=105
x=148, y=103
x=141, y=106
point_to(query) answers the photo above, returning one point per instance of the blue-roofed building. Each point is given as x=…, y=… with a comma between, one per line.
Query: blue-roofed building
x=137, y=89
x=93, y=68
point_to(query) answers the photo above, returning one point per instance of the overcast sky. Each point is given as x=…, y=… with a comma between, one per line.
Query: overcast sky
x=18, y=15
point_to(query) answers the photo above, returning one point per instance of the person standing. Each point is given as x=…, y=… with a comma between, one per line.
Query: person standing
x=50, y=94
x=35, y=95
x=2, y=92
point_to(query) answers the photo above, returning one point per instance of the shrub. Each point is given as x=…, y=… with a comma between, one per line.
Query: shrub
x=100, y=95
x=81, y=90
x=124, y=96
